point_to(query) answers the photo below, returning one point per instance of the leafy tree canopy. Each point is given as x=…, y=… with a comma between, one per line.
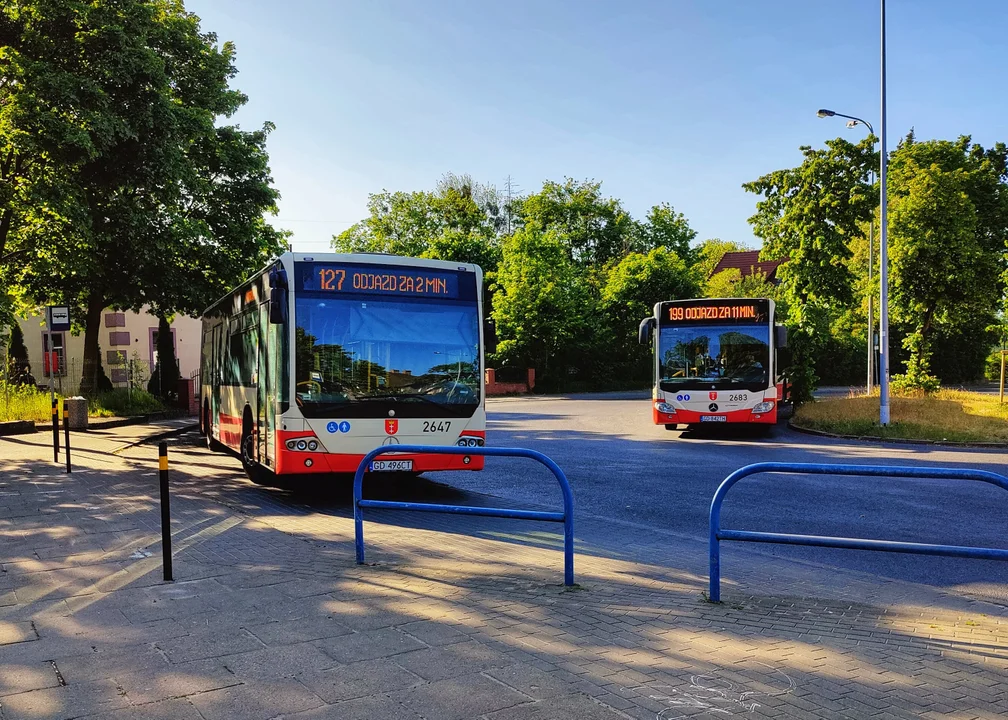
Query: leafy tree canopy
x=665, y=228
x=810, y=213
x=640, y=280
x=594, y=229
x=461, y=220
x=119, y=186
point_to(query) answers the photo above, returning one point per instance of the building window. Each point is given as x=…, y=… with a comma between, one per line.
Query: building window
x=57, y=347
x=119, y=339
x=115, y=319
x=153, y=335
x=118, y=376
x=115, y=357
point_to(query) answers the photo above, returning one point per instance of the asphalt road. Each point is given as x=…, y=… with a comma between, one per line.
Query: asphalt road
x=639, y=486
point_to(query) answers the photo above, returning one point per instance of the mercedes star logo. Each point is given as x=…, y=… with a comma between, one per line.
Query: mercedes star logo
x=390, y=440
x=712, y=407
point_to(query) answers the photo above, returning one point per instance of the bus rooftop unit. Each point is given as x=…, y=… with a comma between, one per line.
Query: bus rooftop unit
x=320, y=358
x=715, y=361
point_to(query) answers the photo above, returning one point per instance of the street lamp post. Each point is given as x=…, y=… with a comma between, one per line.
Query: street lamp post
x=883, y=255
x=871, y=246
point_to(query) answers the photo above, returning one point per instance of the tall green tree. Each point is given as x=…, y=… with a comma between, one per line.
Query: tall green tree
x=948, y=230
x=461, y=220
x=632, y=289
x=541, y=301
x=809, y=215
x=164, y=379
x=812, y=215
x=124, y=187
x=937, y=264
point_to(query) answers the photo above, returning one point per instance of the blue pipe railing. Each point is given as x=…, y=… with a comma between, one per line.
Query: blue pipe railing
x=566, y=517
x=717, y=534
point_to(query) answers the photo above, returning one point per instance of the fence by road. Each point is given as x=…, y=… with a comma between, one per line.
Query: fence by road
x=717, y=534
x=566, y=517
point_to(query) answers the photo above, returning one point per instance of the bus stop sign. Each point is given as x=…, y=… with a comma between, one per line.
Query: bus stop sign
x=59, y=318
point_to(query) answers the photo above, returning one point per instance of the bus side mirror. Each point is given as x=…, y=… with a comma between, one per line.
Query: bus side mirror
x=646, y=330
x=783, y=358
x=780, y=336
x=278, y=296
x=489, y=336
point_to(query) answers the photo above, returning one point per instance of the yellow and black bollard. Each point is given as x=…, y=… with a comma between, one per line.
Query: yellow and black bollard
x=165, y=511
x=55, y=431
x=66, y=432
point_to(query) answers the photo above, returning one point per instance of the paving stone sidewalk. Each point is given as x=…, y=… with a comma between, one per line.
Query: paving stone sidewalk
x=269, y=616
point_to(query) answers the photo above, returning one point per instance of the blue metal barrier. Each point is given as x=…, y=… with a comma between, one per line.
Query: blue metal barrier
x=566, y=517
x=717, y=534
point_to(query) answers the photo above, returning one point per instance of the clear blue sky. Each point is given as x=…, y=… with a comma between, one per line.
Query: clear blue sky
x=662, y=101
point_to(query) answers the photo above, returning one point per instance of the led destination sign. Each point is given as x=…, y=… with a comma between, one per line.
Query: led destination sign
x=734, y=311
x=379, y=280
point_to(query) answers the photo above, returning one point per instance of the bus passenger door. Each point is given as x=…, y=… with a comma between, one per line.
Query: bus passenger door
x=264, y=383
x=215, y=378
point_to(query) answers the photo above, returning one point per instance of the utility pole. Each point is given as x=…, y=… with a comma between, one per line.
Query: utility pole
x=883, y=254
x=511, y=191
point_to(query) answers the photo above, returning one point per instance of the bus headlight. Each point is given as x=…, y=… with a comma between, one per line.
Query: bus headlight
x=312, y=445
x=665, y=408
x=301, y=445
x=763, y=407
x=468, y=441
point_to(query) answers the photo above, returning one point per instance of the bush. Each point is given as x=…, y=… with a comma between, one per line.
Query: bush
x=23, y=402
x=914, y=384
x=124, y=402
x=992, y=368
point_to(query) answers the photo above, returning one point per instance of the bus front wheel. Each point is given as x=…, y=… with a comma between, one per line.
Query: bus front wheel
x=208, y=430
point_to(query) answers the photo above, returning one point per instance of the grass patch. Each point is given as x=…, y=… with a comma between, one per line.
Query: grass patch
x=950, y=415
x=24, y=402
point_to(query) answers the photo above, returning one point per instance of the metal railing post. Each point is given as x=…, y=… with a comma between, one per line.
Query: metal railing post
x=566, y=517
x=55, y=430
x=717, y=534
x=166, y=552
x=66, y=433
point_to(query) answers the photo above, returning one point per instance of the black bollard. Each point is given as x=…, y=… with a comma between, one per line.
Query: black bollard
x=165, y=511
x=66, y=433
x=55, y=431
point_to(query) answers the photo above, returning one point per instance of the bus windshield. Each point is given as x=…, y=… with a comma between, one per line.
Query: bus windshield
x=382, y=357
x=697, y=356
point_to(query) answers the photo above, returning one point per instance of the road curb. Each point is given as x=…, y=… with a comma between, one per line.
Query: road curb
x=898, y=441
x=17, y=427
x=107, y=424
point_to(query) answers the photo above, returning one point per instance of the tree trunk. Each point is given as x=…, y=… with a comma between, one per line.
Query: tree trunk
x=6, y=219
x=89, y=380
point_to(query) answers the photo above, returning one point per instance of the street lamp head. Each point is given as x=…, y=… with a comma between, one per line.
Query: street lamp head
x=825, y=113
x=853, y=123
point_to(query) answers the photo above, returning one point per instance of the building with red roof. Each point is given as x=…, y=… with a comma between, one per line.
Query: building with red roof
x=748, y=263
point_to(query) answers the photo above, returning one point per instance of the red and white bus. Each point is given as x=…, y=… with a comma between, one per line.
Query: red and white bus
x=715, y=360
x=320, y=358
